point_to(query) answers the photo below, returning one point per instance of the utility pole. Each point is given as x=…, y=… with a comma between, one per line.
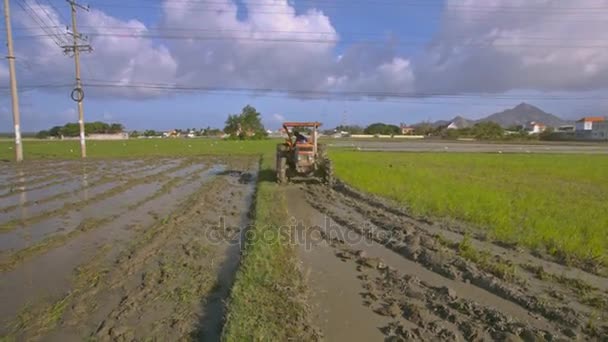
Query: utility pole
x=78, y=94
x=13, y=82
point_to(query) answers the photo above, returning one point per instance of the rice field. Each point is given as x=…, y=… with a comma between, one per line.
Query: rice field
x=549, y=203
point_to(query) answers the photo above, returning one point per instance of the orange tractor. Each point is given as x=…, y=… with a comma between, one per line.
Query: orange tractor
x=302, y=156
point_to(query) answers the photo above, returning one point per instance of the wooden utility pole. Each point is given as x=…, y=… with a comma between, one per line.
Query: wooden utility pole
x=13, y=82
x=78, y=93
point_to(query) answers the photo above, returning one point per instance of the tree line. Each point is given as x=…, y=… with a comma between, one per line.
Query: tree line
x=72, y=129
x=480, y=131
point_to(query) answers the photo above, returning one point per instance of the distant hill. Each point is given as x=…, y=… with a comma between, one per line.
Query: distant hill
x=461, y=122
x=523, y=114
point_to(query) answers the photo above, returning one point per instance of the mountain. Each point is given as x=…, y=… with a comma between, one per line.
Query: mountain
x=440, y=123
x=461, y=122
x=523, y=114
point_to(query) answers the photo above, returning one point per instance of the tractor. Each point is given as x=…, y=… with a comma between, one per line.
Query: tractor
x=301, y=156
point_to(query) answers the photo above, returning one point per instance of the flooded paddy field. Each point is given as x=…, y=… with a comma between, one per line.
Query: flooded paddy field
x=120, y=249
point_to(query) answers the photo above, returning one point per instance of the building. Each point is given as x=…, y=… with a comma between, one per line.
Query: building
x=600, y=131
x=592, y=128
x=587, y=123
x=406, y=130
x=534, y=127
x=171, y=134
x=565, y=128
x=109, y=136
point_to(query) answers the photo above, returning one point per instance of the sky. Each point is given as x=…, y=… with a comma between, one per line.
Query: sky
x=189, y=63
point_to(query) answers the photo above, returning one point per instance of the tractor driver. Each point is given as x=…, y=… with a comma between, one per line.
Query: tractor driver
x=300, y=139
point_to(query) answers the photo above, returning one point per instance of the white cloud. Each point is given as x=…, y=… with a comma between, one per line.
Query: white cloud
x=500, y=45
x=121, y=59
x=278, y=117
x=481, y=46
x=263, y=51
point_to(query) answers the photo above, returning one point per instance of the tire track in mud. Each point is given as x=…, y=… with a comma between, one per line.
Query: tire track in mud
x=482, y=291
x=157, y=285
x=587, y=292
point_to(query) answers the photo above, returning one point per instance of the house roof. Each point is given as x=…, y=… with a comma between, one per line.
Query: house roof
x=592, y=119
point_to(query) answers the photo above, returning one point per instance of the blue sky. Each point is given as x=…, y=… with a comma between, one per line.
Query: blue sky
x=408, y=42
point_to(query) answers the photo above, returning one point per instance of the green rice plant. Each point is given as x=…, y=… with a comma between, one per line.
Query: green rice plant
x=553, y=203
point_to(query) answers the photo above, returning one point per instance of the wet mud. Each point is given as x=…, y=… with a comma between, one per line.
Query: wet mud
x=153, y=256
x=377, y=272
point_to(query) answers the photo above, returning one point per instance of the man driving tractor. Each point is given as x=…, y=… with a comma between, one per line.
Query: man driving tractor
x=300, y=139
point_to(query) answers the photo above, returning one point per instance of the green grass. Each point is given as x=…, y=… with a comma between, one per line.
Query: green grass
x=266, y=300
x=133, y=148
x=553, y=203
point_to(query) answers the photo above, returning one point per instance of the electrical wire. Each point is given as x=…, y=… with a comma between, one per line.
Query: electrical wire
x=31, y=12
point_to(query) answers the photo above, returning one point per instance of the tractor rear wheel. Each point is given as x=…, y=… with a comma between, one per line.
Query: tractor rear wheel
x=281, y=164
x=328, y=172
x=282, y=170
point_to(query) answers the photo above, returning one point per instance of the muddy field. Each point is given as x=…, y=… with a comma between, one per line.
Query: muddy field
x=120, y=249
x=377, y=273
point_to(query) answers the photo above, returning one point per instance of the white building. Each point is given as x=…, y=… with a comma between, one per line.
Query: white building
x=108, y=136
x=586, y=123
x=536, y=127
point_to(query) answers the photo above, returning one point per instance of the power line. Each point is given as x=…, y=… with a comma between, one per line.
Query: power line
x=57, y=11
x=391, y=42
x=48, y=15
x=355, y=96
x=178, y=87
x=31, y=12
x=165, y=31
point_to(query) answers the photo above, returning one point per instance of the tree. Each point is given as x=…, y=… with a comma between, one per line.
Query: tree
x=55, y=131
x=424, y=128
x=116, y=128
x=381, y=128
x=150, y=133
x=247, y=125
x=547, y=134
x=42, y=134
x=70, y=130
x=487, y=131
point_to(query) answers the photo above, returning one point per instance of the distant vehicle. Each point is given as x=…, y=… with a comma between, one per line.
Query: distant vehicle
x=302, y=156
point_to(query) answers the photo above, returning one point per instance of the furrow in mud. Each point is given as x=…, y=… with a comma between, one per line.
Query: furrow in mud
x=64, y=189
x=453, y=233
x=156, y=282
x=474, y=275
x=55, y=264
x=49, y=234
x=590, y=273
x=159, y=172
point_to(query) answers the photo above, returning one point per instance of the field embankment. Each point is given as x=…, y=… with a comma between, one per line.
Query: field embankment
x=268, y=298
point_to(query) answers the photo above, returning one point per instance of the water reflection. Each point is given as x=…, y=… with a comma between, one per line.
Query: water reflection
x=84, y=183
